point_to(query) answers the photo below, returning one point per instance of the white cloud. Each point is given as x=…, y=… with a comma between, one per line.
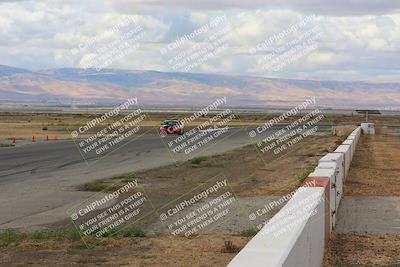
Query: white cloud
x=325, y=58
x=41, y=34
x=337, y=7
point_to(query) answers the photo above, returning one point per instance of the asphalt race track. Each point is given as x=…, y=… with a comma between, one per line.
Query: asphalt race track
x=37, y=180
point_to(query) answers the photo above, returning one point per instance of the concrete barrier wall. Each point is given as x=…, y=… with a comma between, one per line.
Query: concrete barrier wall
x=335, y=161
x=272, y=247
x=308, y=249
x=357, y=132
x=349, y=142
x=329, y=173
x=303, y=243
x=345, y=150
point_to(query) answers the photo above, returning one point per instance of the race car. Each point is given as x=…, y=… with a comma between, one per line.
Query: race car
x=171, y=127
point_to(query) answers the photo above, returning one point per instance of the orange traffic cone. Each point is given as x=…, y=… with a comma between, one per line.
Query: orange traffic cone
x=14, y=141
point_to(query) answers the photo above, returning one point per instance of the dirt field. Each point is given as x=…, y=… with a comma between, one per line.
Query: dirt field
x=140, y=252
x=253, y=177
x=363, y=250
x=24, y=125
x=249, y=172
x=375, y=171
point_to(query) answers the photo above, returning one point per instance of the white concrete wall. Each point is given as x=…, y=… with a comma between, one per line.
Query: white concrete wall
x=368, y=128
x=350, y=143
x=352, y=139
x=308, y=250
x=330, y=173
x=336, y=161
x=357, y=132
x=304, y=243
x=346, y=151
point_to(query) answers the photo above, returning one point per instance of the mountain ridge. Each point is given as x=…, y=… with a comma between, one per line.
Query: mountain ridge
x=156, y=88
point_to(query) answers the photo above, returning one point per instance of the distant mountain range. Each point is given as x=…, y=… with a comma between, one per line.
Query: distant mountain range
x=186, y=89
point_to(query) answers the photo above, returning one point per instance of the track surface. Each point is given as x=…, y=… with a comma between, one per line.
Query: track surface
x=37, y=180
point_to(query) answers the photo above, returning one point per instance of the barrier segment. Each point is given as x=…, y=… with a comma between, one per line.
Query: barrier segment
x=346, y=151
x=324, y=183
x=338, y=186
x=303, y=243
x=350, y=143
x=329, y=174
x=353, y=138
x=338, y=160
x=357, y=132
x=368, y=128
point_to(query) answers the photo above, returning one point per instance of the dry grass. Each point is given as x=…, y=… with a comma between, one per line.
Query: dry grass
x=248, y=171
x=153, y=251
x=23, y=125
x=375, y=170
x=363, y=250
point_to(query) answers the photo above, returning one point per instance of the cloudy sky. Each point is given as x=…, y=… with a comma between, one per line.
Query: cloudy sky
x=303, y=39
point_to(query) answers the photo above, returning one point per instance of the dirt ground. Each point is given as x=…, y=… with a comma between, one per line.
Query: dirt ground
x=363, y=250
x=253, y=178
x=138, y=252
x=375, y=172
x=24, y=125
x=249, y=172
